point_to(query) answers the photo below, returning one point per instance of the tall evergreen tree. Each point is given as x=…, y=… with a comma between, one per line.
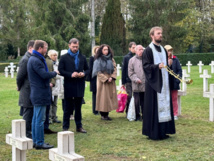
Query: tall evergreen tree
x=113, y=30
x=168, y=14
x=57, y=22
x=14, y=24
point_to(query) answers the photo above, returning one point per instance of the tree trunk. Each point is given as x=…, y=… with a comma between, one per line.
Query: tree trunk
x=92, y=25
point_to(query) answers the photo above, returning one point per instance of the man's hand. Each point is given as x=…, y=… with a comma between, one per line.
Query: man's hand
x=110, y=79
x=75, y=75
x=81, y=74
x=51, y=85
x=161, y=65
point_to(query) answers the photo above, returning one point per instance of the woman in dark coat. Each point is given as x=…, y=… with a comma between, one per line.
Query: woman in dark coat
x=93, y=81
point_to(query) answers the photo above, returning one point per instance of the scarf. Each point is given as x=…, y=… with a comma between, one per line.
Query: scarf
x=75, y=56
x=43, y=58
x=103, y=64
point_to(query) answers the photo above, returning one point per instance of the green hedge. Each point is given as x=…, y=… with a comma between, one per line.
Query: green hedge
x=206, y=58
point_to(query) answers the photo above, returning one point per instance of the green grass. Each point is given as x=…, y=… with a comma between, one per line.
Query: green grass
x=119, y=139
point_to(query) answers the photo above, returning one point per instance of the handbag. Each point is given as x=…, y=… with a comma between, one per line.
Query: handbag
x=121, y=99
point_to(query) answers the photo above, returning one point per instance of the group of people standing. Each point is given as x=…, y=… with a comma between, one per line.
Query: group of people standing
x=41, y=79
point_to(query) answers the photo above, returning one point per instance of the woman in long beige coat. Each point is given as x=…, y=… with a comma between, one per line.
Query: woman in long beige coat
x=105, y=69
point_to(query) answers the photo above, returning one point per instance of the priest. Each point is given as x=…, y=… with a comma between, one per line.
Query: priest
x=158, y=120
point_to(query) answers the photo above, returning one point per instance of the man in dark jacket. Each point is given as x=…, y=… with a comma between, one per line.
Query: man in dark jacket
x=73, y=66
x=39, y=77
x=23, y=86
x=125, y=77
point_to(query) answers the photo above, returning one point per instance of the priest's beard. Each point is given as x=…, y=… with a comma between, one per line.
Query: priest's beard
x=158, y=41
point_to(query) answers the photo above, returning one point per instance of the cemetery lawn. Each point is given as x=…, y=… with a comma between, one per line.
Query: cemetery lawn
x=119, y=139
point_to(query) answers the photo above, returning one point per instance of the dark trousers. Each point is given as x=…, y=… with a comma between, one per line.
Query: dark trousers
x=104, y=114
x=129, y=91
x=46, y=123
x=69, y=104
x=94, y=102
x=27, y=113
x=138, y=100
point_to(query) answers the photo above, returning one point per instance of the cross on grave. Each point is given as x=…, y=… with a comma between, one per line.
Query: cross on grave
x=120, y=84
x=189, y=65
x=210, y=95
x=17, y=69
x=200, y=64
x=118, y=69
x=212, y=66
x=12, y=66
x=65, y=150
x=6, y=71
x=20, y=143
x=205, y=77
x=182, y=92
x=12, y=72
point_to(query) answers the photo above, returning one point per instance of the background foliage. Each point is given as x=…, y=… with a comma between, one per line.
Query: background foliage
x=188, y=25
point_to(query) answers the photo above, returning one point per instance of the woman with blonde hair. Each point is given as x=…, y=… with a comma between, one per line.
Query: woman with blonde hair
x=93, y=81
x=105, y=70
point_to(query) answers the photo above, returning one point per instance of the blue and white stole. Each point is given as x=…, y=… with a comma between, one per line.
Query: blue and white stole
x=163, y=98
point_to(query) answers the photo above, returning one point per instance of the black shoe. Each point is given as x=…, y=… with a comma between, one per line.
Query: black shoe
x=44, y=146
x=106, y=118
x=49, y=131
x=56, y=121
x=138, y=119
x=81, y=130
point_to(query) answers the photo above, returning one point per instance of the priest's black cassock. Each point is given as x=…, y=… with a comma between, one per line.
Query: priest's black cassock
x=152, y=127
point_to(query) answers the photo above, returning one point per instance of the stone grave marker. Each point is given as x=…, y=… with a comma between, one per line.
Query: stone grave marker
x=120, y=84
x=182, y=91
x=17, y=69
x=210, y=95
x=6, y=71
x=12, y=72
x=200, y=64
x=20, y=143
x=118, y=69
x=212, y=66
x=65, y=150
x=189, y=65
x=205, y=77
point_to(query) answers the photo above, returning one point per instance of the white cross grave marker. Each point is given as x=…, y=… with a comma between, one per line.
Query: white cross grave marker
x=11, y=66
x=118, y=69
x=210, y=95
x=189, y=65
x=205, y=77
x=17, y=69
x=6, y=71
x=120, y=84
x=20, y=143
x=182, y=92
x=200, y=64
x=65, y=150
x=212, y=66
x=12, y=72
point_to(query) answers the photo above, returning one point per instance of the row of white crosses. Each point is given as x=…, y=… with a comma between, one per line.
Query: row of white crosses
x=20, y=144
x=12, y=70
x=200, y=64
